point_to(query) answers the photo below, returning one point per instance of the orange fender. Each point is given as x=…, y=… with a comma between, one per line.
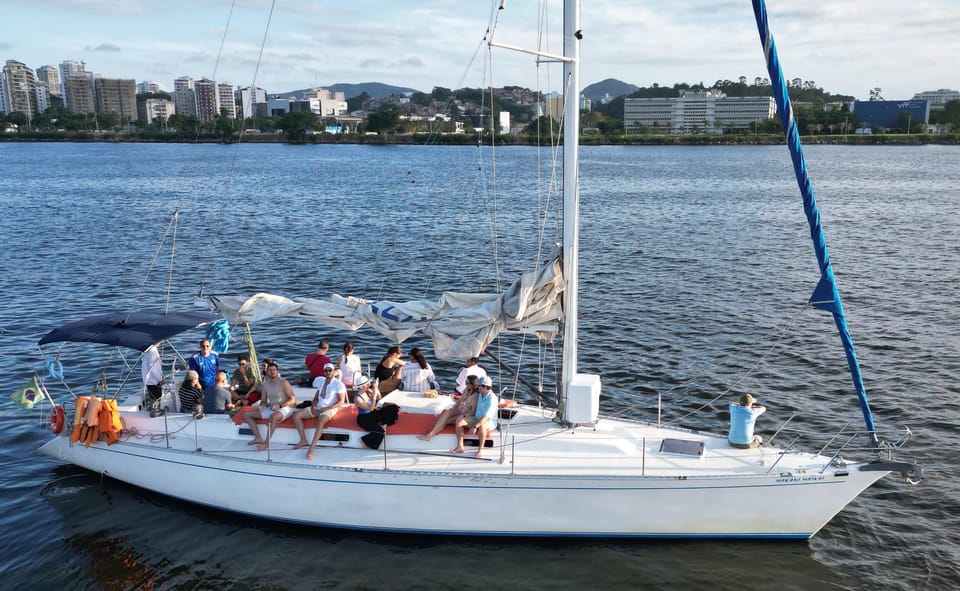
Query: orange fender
x=81, y=405
x=93, y=409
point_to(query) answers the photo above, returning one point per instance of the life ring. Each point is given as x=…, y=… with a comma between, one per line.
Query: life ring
x=56, y=420
x=55, y=369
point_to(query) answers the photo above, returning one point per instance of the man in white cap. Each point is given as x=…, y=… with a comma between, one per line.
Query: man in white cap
x=470, y=368
x=330, y=397
x=484, y=419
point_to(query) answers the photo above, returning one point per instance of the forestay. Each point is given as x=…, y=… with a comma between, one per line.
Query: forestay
x=460, y=324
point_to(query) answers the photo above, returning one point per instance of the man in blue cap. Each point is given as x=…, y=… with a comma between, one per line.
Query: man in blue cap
x=484, y=419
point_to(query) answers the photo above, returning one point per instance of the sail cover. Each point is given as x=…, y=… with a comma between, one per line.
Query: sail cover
x=460, y=324
x=134, y=330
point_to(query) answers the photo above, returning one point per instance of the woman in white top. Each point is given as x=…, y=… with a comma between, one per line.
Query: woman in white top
x=417, y=375
x=349, y=365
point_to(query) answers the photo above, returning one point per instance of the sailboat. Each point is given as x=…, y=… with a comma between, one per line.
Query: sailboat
x=547, y=472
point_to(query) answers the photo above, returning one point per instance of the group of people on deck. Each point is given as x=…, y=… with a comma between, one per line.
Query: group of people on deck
x=206, y=386
x=273, y=399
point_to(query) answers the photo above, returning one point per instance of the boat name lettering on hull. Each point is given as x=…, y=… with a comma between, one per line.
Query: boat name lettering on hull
x=790, y=479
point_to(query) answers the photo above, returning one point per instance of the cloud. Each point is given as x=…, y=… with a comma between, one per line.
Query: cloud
x=103, y=47
x=102, y=7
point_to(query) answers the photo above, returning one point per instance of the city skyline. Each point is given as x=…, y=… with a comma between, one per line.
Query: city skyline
x=845, y=46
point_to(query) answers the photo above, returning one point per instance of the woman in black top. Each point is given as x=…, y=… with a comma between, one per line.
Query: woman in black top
x=388, y=370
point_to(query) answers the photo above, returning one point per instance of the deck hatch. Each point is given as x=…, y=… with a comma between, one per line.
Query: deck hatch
x=682, y=446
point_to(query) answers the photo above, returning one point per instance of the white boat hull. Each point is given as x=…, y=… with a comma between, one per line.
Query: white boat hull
x=556, y=486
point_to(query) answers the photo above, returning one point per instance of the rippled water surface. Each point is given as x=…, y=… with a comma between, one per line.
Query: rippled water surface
x=695, y=267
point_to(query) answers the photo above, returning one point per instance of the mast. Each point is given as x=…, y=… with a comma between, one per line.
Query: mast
x=571, y=188
x=826, y=296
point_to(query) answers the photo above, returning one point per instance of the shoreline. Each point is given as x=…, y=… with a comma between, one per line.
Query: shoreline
x=505, y=140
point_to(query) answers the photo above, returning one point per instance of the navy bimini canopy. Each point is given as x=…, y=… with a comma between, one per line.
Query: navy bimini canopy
x=134, y=330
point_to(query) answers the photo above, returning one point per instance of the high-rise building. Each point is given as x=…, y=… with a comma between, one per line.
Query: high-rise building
x=20, y=89
x=51, y=76
x=43, y=97
x=248, y=99
x=3, y=94
x=69, y=68
x=183, y=83
x=226, y=101
x=208, y=107
x=554, y=106
x=79, y=93
x=185, y=102
x=117, y=96
x=148, y=87
x=184, y=96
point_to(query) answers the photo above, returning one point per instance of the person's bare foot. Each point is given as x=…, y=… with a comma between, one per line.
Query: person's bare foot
x=310, y=454
x=424, y=437
x=255, y=442
x=301, y=444
x=479, y=455
x=457, y=450
x=263, y=446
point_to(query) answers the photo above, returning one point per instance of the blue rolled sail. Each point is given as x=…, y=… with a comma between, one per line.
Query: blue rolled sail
x=826, y=296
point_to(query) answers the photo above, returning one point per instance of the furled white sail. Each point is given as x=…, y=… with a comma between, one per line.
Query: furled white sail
x=460, y=324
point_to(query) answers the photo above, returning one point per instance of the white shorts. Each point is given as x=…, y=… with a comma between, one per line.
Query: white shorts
x=284, y=411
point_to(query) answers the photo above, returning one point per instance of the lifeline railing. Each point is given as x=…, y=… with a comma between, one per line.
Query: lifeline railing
x=833, y=445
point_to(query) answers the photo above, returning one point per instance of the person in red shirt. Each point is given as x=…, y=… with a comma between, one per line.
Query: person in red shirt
x=315, y=361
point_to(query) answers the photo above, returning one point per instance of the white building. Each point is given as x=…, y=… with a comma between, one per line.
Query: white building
x=154, y=109
x=51, y=76
x=326, y=103
x=937, y=98
x=697, y=112
x=147, y=87
x=226, y=100
x=183, y=83
x=43, y=97
x=505, y=122
x=249, y=98
x=19, y=89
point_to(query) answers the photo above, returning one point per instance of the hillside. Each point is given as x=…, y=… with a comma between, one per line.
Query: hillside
x=373, y=89
x=610, y=86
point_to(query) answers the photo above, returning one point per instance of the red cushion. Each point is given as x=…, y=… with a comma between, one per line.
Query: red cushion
x=408, y=423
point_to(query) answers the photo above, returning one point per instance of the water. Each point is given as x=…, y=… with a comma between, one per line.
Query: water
x=696, y=263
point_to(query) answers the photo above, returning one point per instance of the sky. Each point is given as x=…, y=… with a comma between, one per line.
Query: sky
x=843, y=46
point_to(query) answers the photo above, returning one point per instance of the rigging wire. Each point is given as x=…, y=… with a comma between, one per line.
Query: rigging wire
x=253, y=91
x=788, y=328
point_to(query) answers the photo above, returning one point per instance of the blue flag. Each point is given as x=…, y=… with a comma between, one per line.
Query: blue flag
x=26, y=397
